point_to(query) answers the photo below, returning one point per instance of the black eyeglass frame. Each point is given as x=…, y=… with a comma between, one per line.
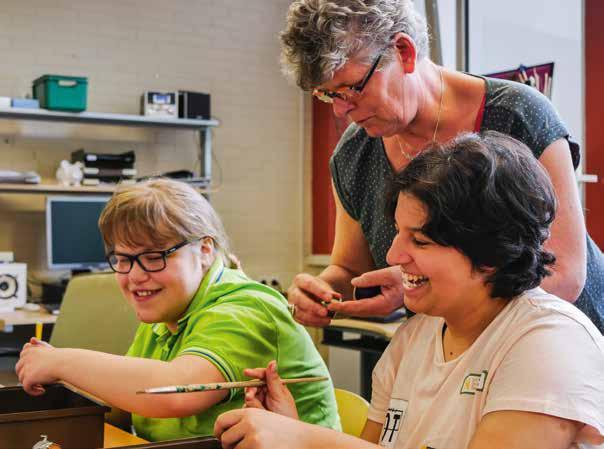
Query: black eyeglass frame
x=136, y=257
x=358, y=88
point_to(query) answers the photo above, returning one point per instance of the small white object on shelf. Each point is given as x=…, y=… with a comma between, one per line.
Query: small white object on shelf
x=31, y=307
x=69, y=174
x=17, y=177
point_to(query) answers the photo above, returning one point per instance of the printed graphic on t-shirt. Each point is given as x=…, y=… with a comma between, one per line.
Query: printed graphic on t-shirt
x=473, y=382
x=394, y=421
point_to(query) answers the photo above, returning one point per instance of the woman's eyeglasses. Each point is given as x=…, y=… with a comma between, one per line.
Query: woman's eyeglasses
x=149, y=261
x=348, y=94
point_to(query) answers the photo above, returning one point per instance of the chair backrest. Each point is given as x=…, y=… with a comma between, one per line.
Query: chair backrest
x=94, y=315
x=352, y=409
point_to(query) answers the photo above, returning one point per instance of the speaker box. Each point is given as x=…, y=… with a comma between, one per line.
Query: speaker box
x=194, y=105
x=13, y=286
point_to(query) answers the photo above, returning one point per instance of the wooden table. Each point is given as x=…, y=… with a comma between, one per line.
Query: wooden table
x=385, y=330
x=115, y=437
x=22, y=316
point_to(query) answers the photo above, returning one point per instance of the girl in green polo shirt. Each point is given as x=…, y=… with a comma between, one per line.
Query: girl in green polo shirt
x=201, y=321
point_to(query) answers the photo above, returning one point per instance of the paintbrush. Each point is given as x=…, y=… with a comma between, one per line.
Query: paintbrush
x=193, y=388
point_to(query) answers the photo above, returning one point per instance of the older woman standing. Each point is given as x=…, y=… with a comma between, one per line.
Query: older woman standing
x=369, y=58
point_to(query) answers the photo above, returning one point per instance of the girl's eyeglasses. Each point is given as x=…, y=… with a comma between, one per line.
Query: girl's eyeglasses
x=149, y=261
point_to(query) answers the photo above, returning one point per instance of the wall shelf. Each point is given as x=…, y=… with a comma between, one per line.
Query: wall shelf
x=54, y=188
x=99, y=118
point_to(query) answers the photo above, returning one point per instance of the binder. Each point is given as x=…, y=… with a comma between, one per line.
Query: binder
x=104, y=160
x=98, y=181
x=99, y=172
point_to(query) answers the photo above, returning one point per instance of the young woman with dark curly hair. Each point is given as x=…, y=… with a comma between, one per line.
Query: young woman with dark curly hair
x=490, y=360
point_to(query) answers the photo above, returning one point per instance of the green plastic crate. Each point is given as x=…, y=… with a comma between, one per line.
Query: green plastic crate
x=61, y=93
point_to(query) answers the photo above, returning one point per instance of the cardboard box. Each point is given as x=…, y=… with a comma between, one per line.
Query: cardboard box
x=68, y=418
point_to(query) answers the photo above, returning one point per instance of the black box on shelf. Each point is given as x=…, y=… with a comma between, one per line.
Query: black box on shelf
x=193, y=105
x=104, y=160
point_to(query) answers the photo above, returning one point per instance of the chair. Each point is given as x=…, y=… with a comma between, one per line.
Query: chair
x=352, y=409
x=94, y=315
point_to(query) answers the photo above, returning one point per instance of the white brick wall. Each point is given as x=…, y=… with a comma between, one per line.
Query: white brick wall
x=229, y=48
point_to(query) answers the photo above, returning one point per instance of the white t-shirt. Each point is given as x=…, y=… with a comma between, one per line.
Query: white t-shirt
x=540, y=354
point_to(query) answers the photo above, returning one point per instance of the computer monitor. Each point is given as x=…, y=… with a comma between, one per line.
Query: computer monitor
x=73, y=240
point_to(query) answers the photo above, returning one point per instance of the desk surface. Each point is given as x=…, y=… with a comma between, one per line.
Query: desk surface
x=115, y=437
x=385, y=330
x=23, y=316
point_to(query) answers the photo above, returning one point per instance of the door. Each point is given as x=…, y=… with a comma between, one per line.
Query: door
x=594, y=111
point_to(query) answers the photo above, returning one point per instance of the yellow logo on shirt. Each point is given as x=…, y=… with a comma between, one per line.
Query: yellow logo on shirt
x=474, y=382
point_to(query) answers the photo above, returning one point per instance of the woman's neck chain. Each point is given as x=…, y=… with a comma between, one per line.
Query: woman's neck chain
x=408, y=156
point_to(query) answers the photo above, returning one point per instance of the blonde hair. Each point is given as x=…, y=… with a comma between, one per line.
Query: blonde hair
x=161, y=211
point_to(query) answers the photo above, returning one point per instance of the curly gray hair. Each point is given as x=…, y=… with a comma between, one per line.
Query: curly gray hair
x=322, y=35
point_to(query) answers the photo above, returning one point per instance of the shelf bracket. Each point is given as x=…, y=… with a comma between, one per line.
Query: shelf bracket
x=205, y=156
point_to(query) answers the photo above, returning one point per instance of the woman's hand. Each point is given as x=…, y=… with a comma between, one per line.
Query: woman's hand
x=275, y=396
x=35, y=366
x=258, y=429
x=305, y=295
x=390, y=282
x=249, y=428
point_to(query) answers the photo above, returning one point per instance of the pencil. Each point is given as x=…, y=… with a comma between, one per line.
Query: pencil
x=223, y=385
x=39, y=331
